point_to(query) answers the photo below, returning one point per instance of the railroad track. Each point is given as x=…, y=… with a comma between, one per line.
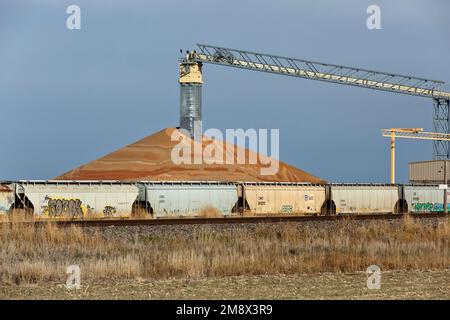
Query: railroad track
x=228, y=220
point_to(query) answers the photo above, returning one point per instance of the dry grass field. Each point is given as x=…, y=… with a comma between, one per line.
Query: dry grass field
x=37, y=257
x=394, y=285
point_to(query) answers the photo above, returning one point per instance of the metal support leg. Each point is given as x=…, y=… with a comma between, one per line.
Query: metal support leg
x=393, y=158
x=441, y=120
x=445, y=190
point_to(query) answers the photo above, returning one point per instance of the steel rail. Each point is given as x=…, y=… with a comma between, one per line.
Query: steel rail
x=228, y=220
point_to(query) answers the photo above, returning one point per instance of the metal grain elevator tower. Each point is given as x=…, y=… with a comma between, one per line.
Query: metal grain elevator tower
x=191, y=96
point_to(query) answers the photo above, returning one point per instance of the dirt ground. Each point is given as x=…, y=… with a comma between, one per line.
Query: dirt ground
x=394, y=285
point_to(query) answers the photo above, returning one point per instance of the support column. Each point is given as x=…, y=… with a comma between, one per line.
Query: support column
x=392, y=157
x=441, y=124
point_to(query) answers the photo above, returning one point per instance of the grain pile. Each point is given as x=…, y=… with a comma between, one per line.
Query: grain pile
x=150, y=159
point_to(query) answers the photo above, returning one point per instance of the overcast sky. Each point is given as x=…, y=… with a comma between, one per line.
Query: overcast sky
x=70, y=96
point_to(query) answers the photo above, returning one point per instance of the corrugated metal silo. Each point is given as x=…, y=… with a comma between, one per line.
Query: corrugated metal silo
x=191, y=109
x=191, y=96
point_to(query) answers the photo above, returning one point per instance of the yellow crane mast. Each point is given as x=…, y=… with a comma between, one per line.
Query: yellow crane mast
x=409, y=133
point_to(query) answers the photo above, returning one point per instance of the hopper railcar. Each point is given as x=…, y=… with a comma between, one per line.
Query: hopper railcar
x=157, y=199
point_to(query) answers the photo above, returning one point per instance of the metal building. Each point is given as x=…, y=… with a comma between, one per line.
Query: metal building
x=429, y=172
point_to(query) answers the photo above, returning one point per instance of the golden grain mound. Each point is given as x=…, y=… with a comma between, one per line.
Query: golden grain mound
x=150, y=159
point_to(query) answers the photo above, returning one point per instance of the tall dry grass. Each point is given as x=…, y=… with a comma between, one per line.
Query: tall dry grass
x=210, y=212
x=33, y=254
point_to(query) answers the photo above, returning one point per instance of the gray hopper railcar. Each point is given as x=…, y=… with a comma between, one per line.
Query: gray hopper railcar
x=109, y=199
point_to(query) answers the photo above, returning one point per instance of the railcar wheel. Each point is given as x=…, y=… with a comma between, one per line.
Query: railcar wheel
x=240, y=207
x=21, y=214
x=328, y=208
x=141, y=210
x=401, y=206
x=21, y=210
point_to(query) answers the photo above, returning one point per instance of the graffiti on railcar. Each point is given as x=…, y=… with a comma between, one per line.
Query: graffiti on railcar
x=286, y=208
x=6, y=198
x=6, y=202
x=63, y=207
x=109, y=211
x=429, y=207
